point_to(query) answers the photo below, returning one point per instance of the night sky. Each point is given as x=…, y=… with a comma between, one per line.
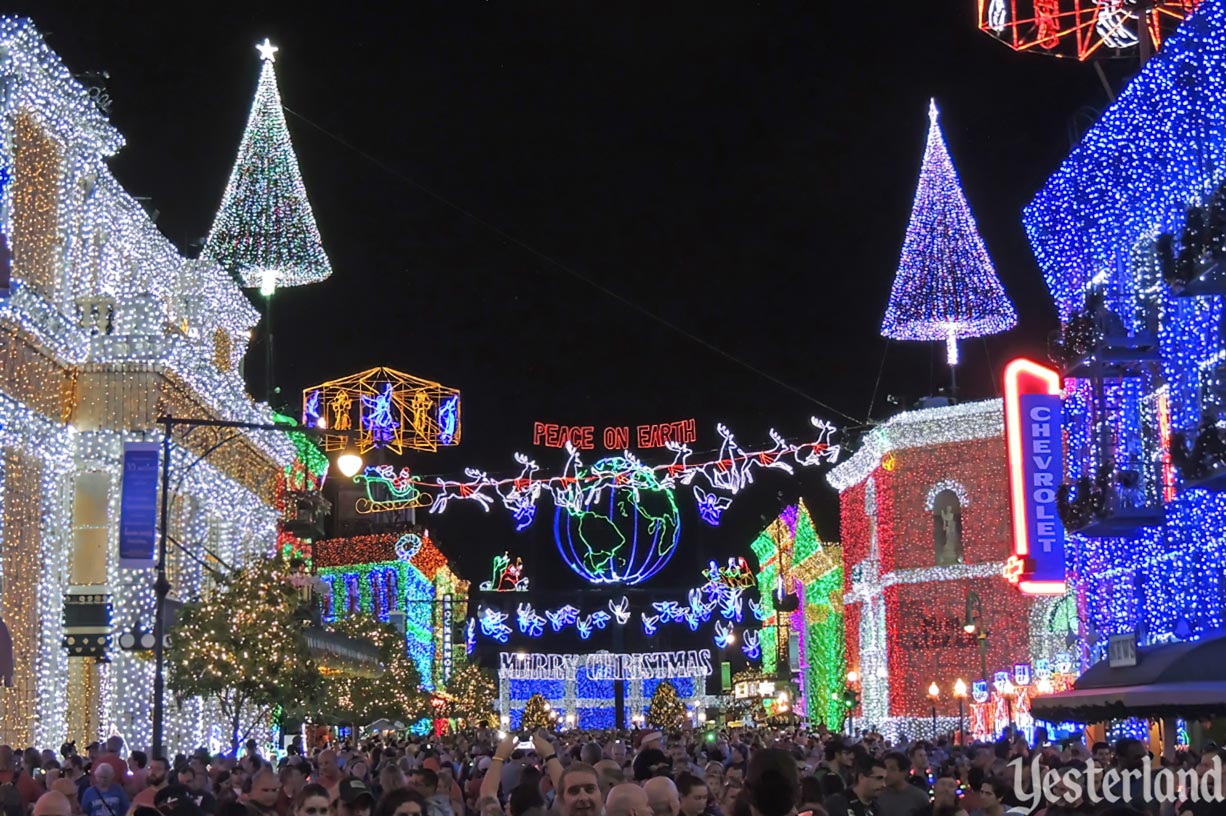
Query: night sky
x=743, y=171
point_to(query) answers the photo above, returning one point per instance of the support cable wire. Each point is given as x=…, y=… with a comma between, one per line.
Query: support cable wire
x=554, y=263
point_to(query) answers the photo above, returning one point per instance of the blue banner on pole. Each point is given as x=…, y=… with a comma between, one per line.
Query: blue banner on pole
x=138, y=505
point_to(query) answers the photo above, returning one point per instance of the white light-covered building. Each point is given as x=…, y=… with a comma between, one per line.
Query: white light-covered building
x=104, y=328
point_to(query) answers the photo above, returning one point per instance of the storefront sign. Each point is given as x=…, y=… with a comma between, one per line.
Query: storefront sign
x=1122, y=650
x=448, y=634
x=1036, y=468
x=645, y=666
x=138, y=505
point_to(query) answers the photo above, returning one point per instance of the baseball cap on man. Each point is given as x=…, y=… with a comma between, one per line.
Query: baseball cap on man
x=773, y=781
x=351, y=791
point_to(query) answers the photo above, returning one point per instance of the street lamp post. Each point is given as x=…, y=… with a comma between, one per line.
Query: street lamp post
x=348, y=462
x=934, y=693
x=852, y=678
x=974, y=625
x=960, y=693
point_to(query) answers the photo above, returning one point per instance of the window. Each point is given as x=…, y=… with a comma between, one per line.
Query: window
x=947, y=528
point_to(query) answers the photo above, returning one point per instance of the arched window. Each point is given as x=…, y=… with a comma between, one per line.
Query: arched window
x=947, y=528
x=390, y=600
x=376, y=596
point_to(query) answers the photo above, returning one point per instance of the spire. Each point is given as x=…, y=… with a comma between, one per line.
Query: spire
x=265, y=231
x=946, y=287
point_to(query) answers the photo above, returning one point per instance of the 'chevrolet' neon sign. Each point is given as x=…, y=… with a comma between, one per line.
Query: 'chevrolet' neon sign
x=1036, y=466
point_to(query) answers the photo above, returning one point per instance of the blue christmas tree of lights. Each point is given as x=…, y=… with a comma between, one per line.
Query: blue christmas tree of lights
x=945, y=287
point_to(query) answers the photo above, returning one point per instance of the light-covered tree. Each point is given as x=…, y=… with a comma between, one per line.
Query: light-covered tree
x=243, y=647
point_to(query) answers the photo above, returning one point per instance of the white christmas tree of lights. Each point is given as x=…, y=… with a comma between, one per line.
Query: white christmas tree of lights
x=265, y=231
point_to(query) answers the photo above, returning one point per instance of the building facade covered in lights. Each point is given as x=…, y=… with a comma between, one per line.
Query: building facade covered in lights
x=400, y=578
x=1130, y=234
x=104, y=327
x=925, y=528
x=792, y=557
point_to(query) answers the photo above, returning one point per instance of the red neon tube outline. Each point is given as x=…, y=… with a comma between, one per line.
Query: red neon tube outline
x=1013, y=439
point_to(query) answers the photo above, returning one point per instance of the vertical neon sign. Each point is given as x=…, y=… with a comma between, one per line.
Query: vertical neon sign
x=1164, y=438
x=1036, y=466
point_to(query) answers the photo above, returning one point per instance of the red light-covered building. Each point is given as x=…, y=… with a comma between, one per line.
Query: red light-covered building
x=926, y=531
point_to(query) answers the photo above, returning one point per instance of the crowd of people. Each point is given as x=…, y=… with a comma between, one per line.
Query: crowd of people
x=482, y=773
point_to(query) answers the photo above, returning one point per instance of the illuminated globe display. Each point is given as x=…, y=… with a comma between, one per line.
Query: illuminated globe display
x=617, y=524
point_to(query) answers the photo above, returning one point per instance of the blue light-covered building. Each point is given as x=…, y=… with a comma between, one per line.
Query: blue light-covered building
x=1130, y=234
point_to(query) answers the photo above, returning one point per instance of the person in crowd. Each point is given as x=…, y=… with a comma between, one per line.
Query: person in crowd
x=391, y=778
x=27, y=789
x=312, y=800
x=772, y=782
x=994, y=794
x=263, y=788
x=426, y=783
x=811, y=796
x=728, y=796
x=105, y=797
x=898, y=797
x=578, y=789
x=860, y=798
x=111, y=753
x=591, y=753
x=945, y=796
x=138, y=773
x=918, y=755
x=448, y=785
x=328, y=772
x=840, y=759
x=662, y=796
x=292, y=778
x=353, y=798
x=610, y=775
x=194, y=784
x=400, y=802
x=53, y=803
x=526, y=798
x=627, y=799
x=156, y=778
x=693, y=793
x=650, y=760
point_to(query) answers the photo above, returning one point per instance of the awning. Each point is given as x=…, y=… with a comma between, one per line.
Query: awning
x=340, y=654
x=1186, y=679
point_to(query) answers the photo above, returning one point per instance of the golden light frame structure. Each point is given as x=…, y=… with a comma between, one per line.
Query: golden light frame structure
x=389, y=409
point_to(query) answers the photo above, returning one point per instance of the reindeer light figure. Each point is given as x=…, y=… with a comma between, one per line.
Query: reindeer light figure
x=679, y=468
x=463, y=491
